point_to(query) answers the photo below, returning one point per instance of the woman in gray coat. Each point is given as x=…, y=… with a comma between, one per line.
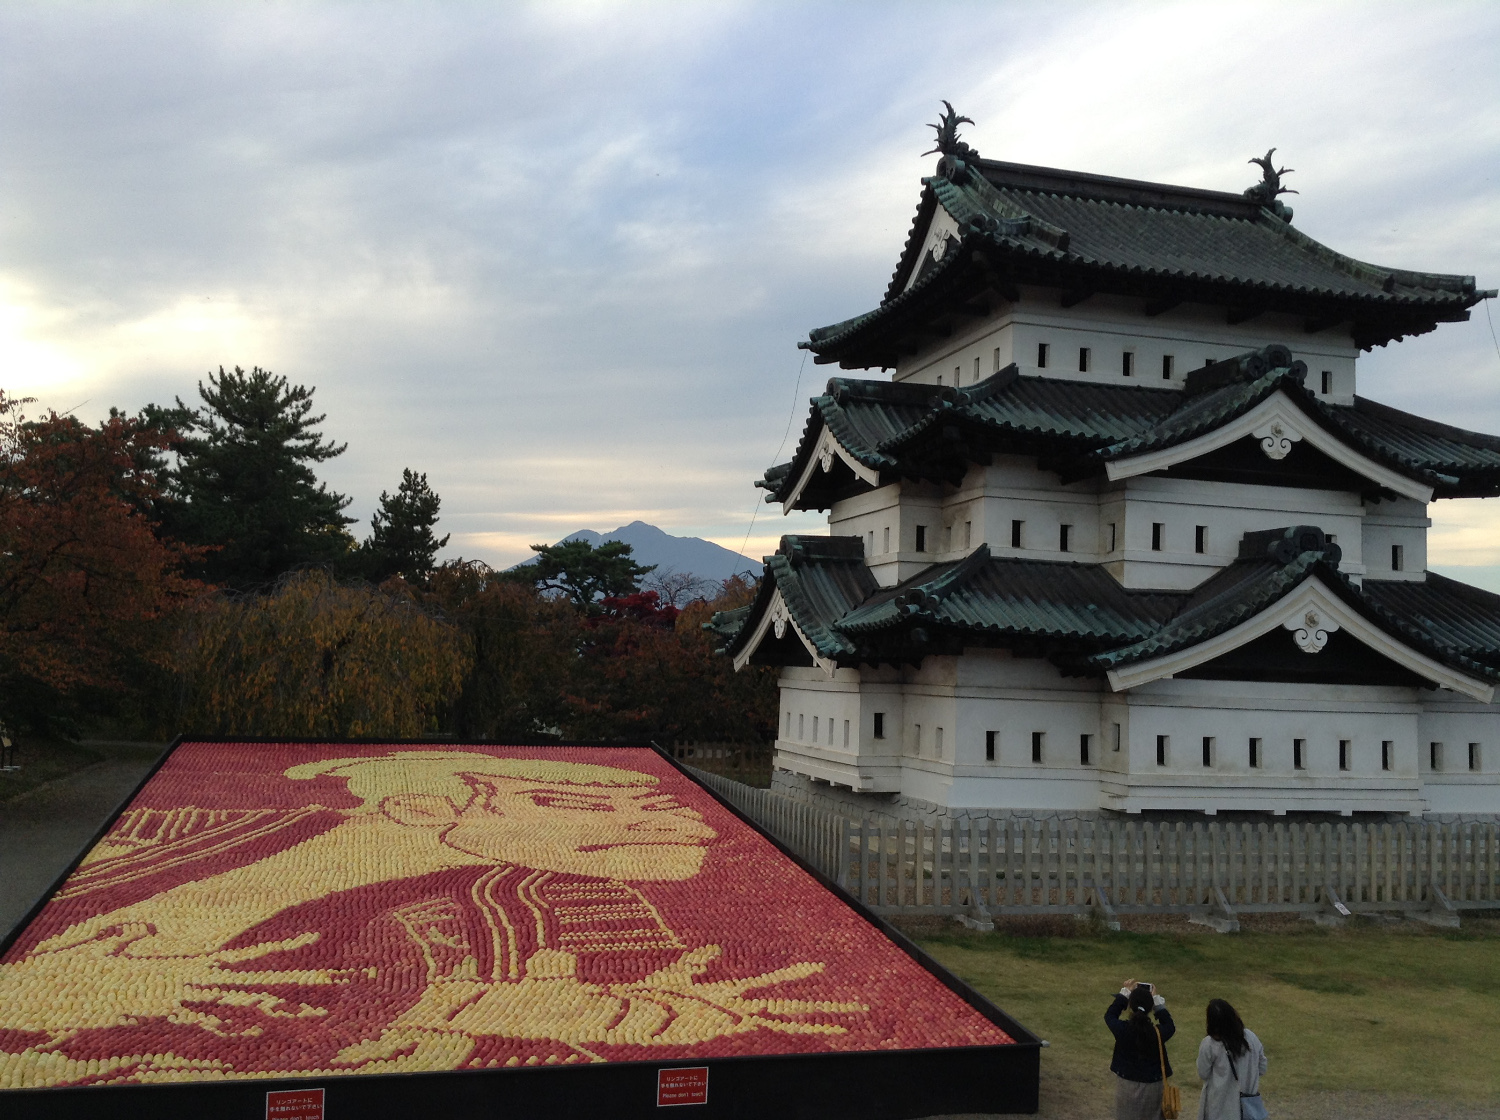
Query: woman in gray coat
x=1230, y=1062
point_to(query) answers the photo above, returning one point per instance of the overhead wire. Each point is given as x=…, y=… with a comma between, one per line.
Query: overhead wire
x=791, y=416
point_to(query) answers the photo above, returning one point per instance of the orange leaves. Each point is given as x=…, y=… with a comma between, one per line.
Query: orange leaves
x=82, y=573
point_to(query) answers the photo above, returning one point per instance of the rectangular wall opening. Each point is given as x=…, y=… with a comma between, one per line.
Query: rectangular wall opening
x=1345, y=750
x=1208, y=750
x=846, y=734
x=1158, y=536
x=1166, y=367
x=1327, y=381
x=976, y=368
x=1435, y=756
x=1127, y=363
x=1299, y=754
x=1113, y=536
x=1473, y=756
x=1161, y=750
x=1200, y=539
x=1084, y=742
x=937, y=742
x=989, y=745
x=1398, y=558
x=1041, y=355
x=1387, y=748
x=878, y=731
x=1255, y=754
x=968, y=534
x=921, y=538
x=801, y=727
x=1036, y=745
x=1083, y=359
x=1064, y=537
x=886, y=547
x=1015, y=533
x=1117, y=736
x=997, y=361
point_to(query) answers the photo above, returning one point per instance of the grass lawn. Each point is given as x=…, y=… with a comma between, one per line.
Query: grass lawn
x=1402, y=1009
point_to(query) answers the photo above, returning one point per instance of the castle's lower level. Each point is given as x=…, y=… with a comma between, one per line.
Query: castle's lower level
x=988, y=730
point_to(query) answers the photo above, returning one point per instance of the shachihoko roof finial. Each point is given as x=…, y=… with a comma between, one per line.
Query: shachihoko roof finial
x=1266, y=191
x=948, y=143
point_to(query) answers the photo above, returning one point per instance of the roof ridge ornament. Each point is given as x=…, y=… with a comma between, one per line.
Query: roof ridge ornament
x=953, y=150
x=1266, y=191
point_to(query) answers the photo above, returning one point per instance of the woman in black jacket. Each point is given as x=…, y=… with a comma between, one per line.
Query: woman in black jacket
x=1137, y=1064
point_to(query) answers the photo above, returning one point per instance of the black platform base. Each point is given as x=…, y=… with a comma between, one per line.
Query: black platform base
x=887, y=1085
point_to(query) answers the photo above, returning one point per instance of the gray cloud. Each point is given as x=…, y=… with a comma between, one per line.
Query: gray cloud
x=559, y=256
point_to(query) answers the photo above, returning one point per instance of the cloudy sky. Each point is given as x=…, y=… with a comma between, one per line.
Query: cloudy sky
x=559, y=256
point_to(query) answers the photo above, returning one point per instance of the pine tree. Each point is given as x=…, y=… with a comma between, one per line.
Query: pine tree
x=244, y=482
x=583, y=573
x=401, y=539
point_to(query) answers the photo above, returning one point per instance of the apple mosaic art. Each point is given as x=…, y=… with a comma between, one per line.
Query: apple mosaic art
x=303, y=909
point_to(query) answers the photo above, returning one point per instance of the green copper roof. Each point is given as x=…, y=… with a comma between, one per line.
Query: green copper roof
x=1096, y=234
x=1079, y=616
x=906, y=430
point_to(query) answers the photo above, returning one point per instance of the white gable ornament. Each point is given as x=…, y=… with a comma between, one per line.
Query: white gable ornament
x=780, y=616
x=1311, y=631
x=1276, y=438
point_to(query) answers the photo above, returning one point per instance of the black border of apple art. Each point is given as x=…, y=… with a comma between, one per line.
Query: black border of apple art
x=860, y=1085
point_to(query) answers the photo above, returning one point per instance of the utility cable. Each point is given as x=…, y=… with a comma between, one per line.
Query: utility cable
x=791, y=416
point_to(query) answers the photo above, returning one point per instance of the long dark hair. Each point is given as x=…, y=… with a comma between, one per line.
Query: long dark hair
x=1224, y=1024
x=1142, y=1003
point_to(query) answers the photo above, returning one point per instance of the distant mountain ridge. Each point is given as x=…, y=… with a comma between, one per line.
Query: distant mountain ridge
x=683, y=555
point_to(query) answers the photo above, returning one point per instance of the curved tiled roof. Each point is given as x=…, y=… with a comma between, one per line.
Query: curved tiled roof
x=1021, y=224
x=1082, y=618
x=901, y=429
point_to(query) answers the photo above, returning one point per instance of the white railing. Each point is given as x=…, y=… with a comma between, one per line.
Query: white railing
x=1114, y=867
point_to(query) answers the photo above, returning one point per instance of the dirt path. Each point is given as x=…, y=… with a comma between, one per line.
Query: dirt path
x=42, y=831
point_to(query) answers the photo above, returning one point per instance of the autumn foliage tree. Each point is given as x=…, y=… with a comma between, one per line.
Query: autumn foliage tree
x=523, y=644
x=314, y=658
x=85, y=581
x=649, y=671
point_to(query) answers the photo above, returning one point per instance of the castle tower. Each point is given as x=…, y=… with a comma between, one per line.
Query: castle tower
x=1117, y=530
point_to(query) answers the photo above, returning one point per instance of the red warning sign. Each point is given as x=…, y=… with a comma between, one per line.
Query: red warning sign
x=294, y=1104
x=682, y=1086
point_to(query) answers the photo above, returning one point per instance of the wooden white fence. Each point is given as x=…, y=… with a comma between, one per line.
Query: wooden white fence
x=1211, y=869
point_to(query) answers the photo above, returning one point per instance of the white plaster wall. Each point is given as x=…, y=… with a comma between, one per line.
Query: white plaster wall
x=1013, y=488
x=1400, y=521
x=827, y=728
x=1455, y=722
x=1227, y=511
x=1232, y=712
x=886, y=519
x=1110, y=326
x=990, y=690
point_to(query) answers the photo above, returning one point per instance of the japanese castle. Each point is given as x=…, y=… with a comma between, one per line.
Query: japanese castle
x=1118, y=532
